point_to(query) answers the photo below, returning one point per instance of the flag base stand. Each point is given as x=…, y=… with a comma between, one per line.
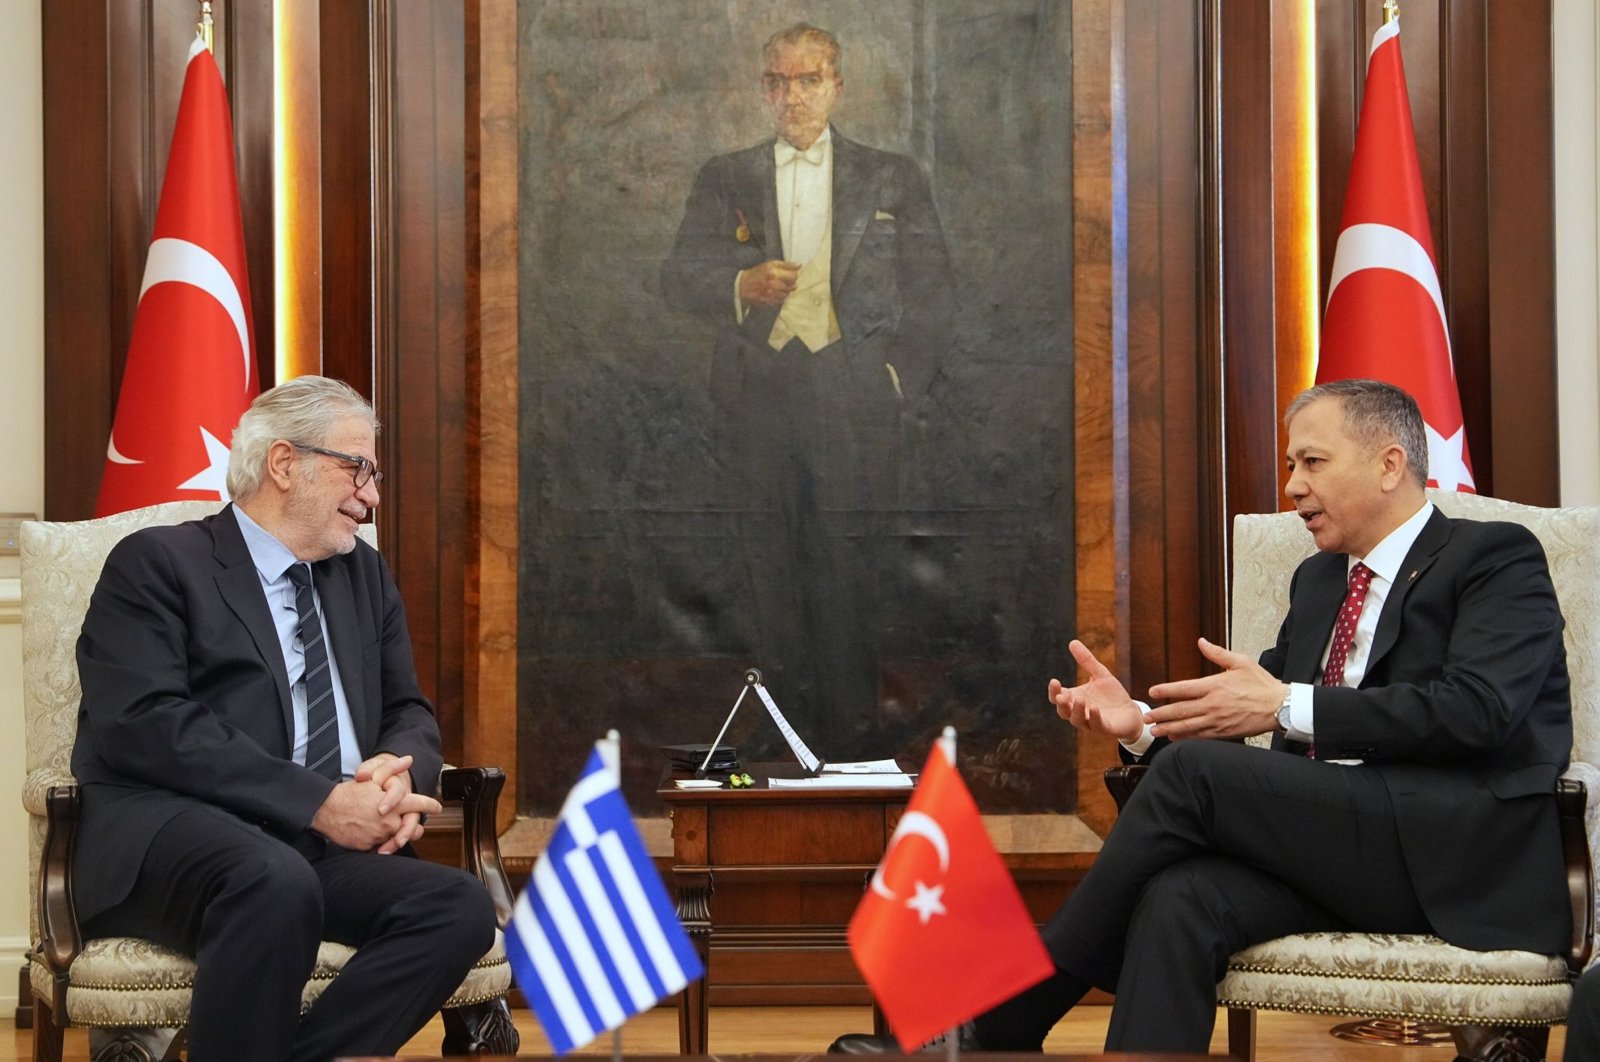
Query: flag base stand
x=1394, y=1032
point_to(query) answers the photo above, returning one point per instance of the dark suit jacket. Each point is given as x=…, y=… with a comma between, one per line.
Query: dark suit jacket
x=186, y=696
x=1464, y=711
x=890, y=271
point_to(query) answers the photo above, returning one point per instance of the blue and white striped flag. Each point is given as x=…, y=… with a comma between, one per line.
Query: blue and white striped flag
x=595, y=940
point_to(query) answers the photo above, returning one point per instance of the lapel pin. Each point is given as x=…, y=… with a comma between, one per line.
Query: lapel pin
x=742, y=233
x=1412, y=576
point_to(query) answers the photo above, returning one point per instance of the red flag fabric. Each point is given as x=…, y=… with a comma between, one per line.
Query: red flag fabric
x=942, y=934
x=1385, y=317
x=191, y=367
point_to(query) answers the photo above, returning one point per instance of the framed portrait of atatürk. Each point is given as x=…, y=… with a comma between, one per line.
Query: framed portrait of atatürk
x=796, y=383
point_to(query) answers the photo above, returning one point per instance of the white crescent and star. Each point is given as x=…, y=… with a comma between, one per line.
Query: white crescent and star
x=928, y=899
x=1370, y=245
x=215, y=475
x=182, y=262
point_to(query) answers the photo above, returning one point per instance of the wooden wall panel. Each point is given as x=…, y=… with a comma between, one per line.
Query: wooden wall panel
x=1248, y=308
x=1462, y=235
x=1521, y=253
x=1100, y=365
x=351, y=61
x=489, y=679
x=420, y=372
x=1169, y=475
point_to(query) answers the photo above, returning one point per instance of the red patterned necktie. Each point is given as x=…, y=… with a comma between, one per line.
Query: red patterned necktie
x=1344, y=631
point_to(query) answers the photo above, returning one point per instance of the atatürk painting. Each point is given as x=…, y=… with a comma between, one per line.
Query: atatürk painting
x=796, y=383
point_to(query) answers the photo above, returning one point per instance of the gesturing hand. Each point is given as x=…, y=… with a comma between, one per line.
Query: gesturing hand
x=1100, y=704
x=1241, y=700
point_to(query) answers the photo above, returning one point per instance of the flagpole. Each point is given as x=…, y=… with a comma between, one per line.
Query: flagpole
x=952, y=1039
x=615, y=740
x=1391, y=11
x=204, y=26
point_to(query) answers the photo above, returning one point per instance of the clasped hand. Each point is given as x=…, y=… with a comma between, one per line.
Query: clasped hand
x=1240, y=700
x=376, y=810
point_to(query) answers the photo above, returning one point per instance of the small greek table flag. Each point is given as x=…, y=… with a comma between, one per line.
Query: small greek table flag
x=594, y=939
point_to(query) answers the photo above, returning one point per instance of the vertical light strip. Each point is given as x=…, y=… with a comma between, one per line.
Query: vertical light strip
x=296, y=179
x=1294, y=191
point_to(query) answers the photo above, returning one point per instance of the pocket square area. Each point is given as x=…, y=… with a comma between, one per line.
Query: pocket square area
x=881, y=215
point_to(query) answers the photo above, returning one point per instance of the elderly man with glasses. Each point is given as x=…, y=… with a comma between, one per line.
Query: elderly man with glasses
x=256, y=755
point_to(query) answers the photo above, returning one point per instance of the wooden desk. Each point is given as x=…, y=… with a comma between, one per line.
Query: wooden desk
x=812, y=1058
x=783, y=843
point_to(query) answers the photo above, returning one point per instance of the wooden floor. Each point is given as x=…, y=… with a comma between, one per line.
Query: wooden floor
x=803, y=1030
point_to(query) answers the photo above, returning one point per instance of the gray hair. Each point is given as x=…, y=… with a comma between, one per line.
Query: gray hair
x=802, y=32
x=301, y=411
x=1375, y=414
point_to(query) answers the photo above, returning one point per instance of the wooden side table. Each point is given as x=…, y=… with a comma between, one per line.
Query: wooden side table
x=774, y=837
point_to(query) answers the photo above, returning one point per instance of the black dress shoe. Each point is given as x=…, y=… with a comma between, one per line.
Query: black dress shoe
x=864, y=1044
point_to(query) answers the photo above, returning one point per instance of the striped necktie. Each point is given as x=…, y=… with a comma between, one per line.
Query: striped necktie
x=322, y=723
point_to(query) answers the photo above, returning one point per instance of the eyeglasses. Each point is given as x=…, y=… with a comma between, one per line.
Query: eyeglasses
x=365, y=471
x=808, y=82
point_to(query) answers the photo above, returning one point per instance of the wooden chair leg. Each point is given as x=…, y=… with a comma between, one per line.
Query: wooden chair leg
x=47, y=1035
x=1489, y=1044
x=132, y=1044
x=24, y=1013
x=480, y=1029
x=1242, y=1034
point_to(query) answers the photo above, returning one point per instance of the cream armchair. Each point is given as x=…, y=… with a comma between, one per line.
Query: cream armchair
x=1480, y=995
x=132, y=994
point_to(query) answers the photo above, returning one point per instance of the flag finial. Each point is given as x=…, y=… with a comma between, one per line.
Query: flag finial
x=1391, y=11
x=204, y=26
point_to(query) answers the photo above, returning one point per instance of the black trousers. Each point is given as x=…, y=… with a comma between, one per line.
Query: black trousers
x=815, y=451
x=1583, y=1019
x=1221, y=846
x=252, y=909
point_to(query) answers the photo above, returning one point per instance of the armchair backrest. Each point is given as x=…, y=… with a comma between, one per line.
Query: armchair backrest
x=61, y=564
x=1267, y=547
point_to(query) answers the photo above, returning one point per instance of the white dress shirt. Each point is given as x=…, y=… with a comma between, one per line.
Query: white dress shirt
x=1385, y=560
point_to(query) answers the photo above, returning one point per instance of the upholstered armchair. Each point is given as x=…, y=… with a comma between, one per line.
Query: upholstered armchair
x=1497, y=1004
x=133, y=995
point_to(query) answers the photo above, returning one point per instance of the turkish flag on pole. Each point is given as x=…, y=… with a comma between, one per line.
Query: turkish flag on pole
x=942, y=933
x=191, y=368
x=1385, y=318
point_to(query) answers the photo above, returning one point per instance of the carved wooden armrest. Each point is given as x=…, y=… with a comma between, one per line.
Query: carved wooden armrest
x=1570, y=798
x=478, y=790
x=60, y=941
x=1121, y=780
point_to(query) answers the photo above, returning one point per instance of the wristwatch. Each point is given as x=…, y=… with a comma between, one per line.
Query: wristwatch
x=1283, y=712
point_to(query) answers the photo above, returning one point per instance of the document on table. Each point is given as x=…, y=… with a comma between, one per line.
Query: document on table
x=807, y=758
x=863, y=767
x=844, y=781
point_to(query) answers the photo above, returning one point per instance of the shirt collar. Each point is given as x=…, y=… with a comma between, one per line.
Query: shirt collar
x=1387, y=556
x=271, y=557
x=784, y=152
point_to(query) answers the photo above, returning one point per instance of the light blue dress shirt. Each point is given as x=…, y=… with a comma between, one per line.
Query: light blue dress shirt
x=272, y=561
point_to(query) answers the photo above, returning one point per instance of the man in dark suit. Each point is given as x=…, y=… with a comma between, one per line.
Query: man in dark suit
x=247, y=793
x=822, y=265
x=1421, y=664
